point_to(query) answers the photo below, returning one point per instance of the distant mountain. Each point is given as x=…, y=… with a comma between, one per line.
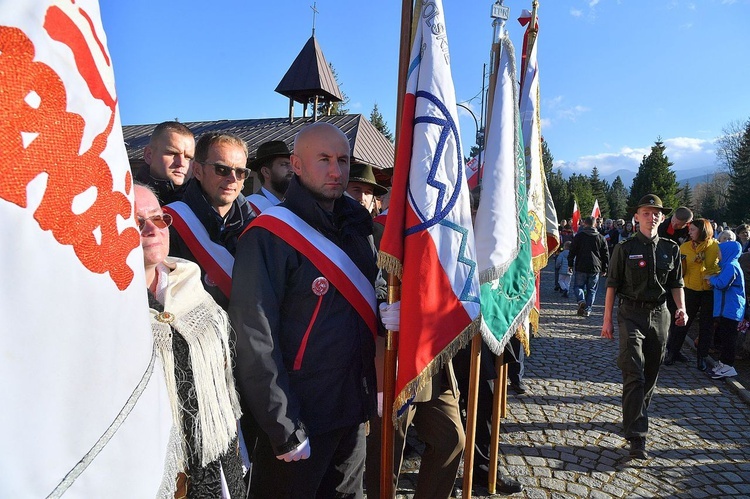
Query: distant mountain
x=693, y=176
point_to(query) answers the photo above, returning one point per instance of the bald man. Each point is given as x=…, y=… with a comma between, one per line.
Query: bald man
x=302, y=304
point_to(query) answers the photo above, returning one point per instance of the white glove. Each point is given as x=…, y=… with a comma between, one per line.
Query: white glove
x=390, y=315
x=302, y=451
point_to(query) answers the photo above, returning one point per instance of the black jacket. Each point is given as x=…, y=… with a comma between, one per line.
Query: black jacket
x=589, y=252
x=273, y=309
x=224, y=231
x=166, y=191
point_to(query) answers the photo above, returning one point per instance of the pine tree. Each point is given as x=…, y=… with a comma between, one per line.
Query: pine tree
x=547, y=160
x=580, y=188
x=337, y=108
x=655, y=176
x=617, y=196
x=686, y=196
x=599, y=188
x=738, y=203
x=558, y=189
x=376, y=118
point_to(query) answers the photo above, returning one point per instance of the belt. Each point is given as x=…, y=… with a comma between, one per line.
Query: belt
x=651, y=305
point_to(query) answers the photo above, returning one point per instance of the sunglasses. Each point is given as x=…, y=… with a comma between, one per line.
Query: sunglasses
x=224, y=171
x=161, y=221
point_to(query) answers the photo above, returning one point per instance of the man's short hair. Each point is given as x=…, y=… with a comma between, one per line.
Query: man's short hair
x=588, y=221
x=208, y=139
x=683, y=213
x=169, y=126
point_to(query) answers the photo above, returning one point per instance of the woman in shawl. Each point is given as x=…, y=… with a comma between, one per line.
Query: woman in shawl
x=192, y=338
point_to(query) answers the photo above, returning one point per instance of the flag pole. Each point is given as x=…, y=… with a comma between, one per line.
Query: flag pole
x=499, y=15
x=394, y=284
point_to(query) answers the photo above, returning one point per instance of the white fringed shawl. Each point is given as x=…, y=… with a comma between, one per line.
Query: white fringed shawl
x=191, y=311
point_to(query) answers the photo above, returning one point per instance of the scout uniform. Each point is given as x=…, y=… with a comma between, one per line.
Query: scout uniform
x=643, y=271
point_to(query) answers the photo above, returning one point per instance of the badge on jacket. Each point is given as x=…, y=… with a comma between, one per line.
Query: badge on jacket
x=320, y=286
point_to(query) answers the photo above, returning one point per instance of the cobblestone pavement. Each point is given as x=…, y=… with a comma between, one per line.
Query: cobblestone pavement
x=562, y=438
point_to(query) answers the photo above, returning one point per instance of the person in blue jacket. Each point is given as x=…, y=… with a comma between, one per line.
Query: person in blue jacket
x=729, y=305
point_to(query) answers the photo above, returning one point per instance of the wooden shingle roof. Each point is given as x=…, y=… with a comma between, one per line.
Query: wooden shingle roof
x=368, y=145
x=310, y=76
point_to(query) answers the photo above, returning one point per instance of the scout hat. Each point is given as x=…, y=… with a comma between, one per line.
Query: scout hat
x=360, y=172
x=269, y=150
x=653, y=201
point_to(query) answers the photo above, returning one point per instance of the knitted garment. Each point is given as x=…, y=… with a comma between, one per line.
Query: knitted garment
x=197, y=366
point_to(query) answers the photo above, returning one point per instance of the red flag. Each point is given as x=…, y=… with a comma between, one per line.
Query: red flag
x=576, y=216
x=428, y=239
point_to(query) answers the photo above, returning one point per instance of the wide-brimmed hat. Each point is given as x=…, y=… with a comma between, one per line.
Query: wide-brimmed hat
x=653, y=201
x=360, y=172
x=269, y=150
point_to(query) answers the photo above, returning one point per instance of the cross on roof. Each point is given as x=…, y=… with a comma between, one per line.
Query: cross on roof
x=315, y=11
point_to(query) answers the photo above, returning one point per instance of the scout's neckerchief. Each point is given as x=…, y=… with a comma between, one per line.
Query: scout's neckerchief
x=334, y=264
x=212, y=257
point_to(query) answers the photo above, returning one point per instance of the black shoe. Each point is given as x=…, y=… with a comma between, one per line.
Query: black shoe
x=701, y=364
x=581, y=308
x=668, y=359
x=638, y=448
x=507, y=485
x=557, y=288
x=679, y=357
x=520, y=387
x=565, y=294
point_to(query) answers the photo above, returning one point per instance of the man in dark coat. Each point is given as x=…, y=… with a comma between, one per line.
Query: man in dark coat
x=305, y=350
x=589, y=257
x=212, y=213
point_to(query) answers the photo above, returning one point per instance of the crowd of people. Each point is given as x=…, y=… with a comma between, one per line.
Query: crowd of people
x=259, y=311
x=664, y=272
x=256, y=311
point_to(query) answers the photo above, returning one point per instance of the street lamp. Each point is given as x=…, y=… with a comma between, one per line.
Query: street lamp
x=479, y=134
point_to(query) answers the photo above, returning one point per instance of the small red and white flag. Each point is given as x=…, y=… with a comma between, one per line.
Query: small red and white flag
x=595, y=211
x=473, y=172
x=576, y=216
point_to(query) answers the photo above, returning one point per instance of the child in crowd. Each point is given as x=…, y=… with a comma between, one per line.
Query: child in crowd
x=561, y=266
x=729, y=305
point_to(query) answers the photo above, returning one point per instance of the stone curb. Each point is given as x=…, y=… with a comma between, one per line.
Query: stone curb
x=734, y=385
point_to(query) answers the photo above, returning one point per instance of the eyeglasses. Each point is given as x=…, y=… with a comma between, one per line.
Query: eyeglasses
x=224, y=171
x=161, y=221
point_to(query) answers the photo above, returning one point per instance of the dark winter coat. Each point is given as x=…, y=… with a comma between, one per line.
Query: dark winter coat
x=589, y=253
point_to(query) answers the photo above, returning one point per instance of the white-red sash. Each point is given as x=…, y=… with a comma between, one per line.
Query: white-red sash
x=213, y=258
x=259, y=203
x=331, y=260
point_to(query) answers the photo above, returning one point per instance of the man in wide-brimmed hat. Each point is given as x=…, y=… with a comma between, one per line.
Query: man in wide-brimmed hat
x=274, y=169
x=643, y=270
x=362, y=185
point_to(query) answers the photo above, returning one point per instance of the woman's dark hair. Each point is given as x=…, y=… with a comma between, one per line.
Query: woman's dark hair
x=705, y=230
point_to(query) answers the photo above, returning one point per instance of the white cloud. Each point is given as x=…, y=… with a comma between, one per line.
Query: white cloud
x=592, y=3
x=576, y=12
x=686, y=153
x=556, y=108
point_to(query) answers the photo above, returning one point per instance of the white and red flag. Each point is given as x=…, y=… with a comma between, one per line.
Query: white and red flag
x=596, y=212
x=473, y=172
x=428, y=239
x=85, y=409
x=576, y=216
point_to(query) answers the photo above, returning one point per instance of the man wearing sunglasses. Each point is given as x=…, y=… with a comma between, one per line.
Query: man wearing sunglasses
x=168, y=156
x=213, y=212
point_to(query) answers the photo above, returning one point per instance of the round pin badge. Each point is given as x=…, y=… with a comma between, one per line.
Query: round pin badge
x=165, y=317
x=320, y=286
x=642, y=263
x=208, y=281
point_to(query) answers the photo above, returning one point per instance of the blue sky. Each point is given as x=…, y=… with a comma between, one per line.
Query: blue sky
x=614, y=74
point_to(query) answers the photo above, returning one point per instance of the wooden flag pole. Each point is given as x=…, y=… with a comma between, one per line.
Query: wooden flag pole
x=471, y=414
x=394, y=284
